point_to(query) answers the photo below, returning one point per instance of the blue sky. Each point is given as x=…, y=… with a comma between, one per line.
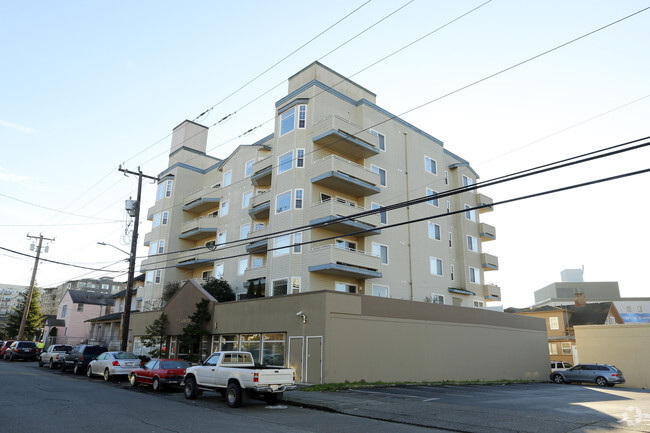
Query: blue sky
x=88, y=86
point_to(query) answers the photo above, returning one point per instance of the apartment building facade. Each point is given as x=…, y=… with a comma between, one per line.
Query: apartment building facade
x=272, y=215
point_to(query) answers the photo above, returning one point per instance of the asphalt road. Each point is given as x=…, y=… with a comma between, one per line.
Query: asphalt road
x=34, y=399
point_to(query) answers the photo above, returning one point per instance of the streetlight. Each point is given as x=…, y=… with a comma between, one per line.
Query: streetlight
x=104, y=243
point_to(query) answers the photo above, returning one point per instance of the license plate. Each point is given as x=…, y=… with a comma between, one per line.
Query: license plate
x=173, y=381
x=128, y=363
x=28, y=350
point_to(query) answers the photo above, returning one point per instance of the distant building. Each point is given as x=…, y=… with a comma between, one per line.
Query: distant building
x=9, y=297
x=75, y=308
x=51, y=297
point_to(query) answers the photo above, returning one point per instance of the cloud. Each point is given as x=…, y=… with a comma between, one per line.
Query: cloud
x=17, y=178
x=17, y=127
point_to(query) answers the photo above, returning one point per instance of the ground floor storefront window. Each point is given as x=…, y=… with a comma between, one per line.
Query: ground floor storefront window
x=266, y=348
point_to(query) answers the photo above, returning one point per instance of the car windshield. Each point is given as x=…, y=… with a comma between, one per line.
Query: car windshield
x=27, y=344
x=95, y=350
x=125, y=355
x=62, y=348
x=174, y=364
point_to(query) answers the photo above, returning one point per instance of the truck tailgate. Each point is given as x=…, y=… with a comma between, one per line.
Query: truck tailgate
x=274, y=376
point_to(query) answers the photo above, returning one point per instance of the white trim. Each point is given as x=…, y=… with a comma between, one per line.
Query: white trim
x=299, y=285
x=278, y=279
x=290, y=192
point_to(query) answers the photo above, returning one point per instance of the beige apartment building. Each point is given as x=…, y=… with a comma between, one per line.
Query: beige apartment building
x=272, y=214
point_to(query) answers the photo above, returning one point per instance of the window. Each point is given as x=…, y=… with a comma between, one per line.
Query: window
x=434, y=231
x=553, y=323
x=611, y=320
x=288, y=121
x=343, y=287
x=246, y=199
x=382, y=214
x=258, y=262
x=218, y=270
x=158, y=276
x=161, y=191
x=297, y=239
x=446, y=177
x=165, y=217
x=437, y=299
x=552, y=349
x=80, y=307
x=168, y=188
x=472, y=243
x=382, y=139
x=149, y=277
x=221, y=238
x=467, y=181
x=224, y=208
x=478, y=304
x=164, y=189
x=282, y=245
x=244, y=230
x=430, y=165
x=450, y=237
x=380, y=250
x=448, y=206
x=639, y=309
x=227, y=178
x=283, y=202
x=474, y=275
x=381, y=291
x=346, y=245
x=248, y=168
x=206, y=274
x=451, y=272
x=566, y=348
x=242, y=266
x=435, y=266
x=280, y=287
x=161, y=246
x=298, y=204
x=64, y=310
x=300, y=158
x=285, y=162
x=302, y=116
x=295, y=285
x=156, y=219
x=432, y=202
x=153, y=247
x=470, y=214
x=381, y=172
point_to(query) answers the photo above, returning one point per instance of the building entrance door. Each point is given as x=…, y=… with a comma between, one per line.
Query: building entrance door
x=296, y=351
x=314, y=360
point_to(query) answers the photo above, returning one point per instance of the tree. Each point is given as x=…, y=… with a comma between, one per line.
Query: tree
x=193, y=333
x=155, y=336
x=170, y=290
x=220, y=289
x=255, y=290
x=34, y=321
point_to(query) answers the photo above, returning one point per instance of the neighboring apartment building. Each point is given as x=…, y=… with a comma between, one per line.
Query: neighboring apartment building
x=9, y=297
x=334, y=153
x=51, y=297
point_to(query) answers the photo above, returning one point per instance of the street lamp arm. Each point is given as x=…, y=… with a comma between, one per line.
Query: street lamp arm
x=104, y=243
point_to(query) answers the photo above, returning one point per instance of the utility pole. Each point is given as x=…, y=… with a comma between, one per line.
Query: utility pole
x=134, y=211
x=28, y=301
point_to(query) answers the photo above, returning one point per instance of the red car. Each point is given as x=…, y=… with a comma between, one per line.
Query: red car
x=159, y=373
x=4, y=348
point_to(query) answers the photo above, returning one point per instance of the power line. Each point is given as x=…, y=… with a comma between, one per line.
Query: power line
x=53, y=261
x=55, y=210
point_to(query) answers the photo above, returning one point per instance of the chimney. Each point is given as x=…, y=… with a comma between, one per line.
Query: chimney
x=579, y=299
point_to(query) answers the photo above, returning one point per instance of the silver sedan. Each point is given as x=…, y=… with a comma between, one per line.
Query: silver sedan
x=110, y=364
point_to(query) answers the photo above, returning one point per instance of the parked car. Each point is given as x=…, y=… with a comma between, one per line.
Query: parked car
x=560, y=365
x=79, y=357
x=51, y=355
x=110, y=364
x=600, y=374
x=4, y=347
x=21, y=350
x=159, y=373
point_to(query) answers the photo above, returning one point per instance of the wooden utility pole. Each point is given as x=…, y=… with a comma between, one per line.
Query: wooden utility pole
x=126, y=318
x=28, y=301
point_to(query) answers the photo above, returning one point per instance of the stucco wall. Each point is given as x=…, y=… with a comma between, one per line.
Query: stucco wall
x=625, y=346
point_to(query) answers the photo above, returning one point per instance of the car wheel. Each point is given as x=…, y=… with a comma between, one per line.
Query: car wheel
x=89, y=371
x=601, y=381
x=132, y=380
x=558, y=378
x=11, y=358
x=76, y=369
x=107, y=375
x=51, y=365
x=40, y=362
x=190, y=388
x=63, y=366
x=156, y=384
x=233, y=395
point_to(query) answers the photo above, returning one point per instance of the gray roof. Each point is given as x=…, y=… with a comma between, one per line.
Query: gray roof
x=589, y=314
x=83, y=297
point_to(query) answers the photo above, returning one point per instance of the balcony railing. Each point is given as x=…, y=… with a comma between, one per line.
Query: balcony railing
x=343, y=175
x=342, y=136
x=489, y=262
x=329, y=259
x=491, y=292
x=487, y=232
x=486, y=202
x=147, y=239
x=202, y=200
x=200, y=228
x=260, y=206
x=262, y=172
x=255, y=273
x=331, y=209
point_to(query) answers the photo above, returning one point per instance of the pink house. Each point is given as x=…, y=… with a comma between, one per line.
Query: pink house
x=75, y=308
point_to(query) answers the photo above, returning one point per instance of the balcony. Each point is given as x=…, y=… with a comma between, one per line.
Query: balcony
x=487, y=232
x=343, y=175
x=255, y=273
x=150, y=212
x=202, y=200
x=489, y=262
x=199, y=228
x=262, y=172
x=194, y=259
x=491, y=292
x=259, y=243
x=147, y=239
x=339, y=135
x=328, y=259
x=485, y=201
x=260, y=206
x=329, y=210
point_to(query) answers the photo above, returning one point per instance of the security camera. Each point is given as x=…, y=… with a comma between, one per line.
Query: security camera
x=299, y=313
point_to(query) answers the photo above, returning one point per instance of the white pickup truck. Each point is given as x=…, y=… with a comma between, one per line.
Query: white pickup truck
x=235, y=376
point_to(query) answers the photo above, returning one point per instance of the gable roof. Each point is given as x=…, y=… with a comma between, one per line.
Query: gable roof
x=543, y=308
x=83, y=297
x=589, y=314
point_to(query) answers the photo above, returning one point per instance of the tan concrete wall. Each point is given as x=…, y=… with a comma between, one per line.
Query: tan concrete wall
x=625, y=346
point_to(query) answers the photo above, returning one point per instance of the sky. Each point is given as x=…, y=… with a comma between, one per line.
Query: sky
x=89, y=86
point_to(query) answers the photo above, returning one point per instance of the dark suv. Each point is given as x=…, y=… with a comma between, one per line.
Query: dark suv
x=21, y=350
x=80, y=356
